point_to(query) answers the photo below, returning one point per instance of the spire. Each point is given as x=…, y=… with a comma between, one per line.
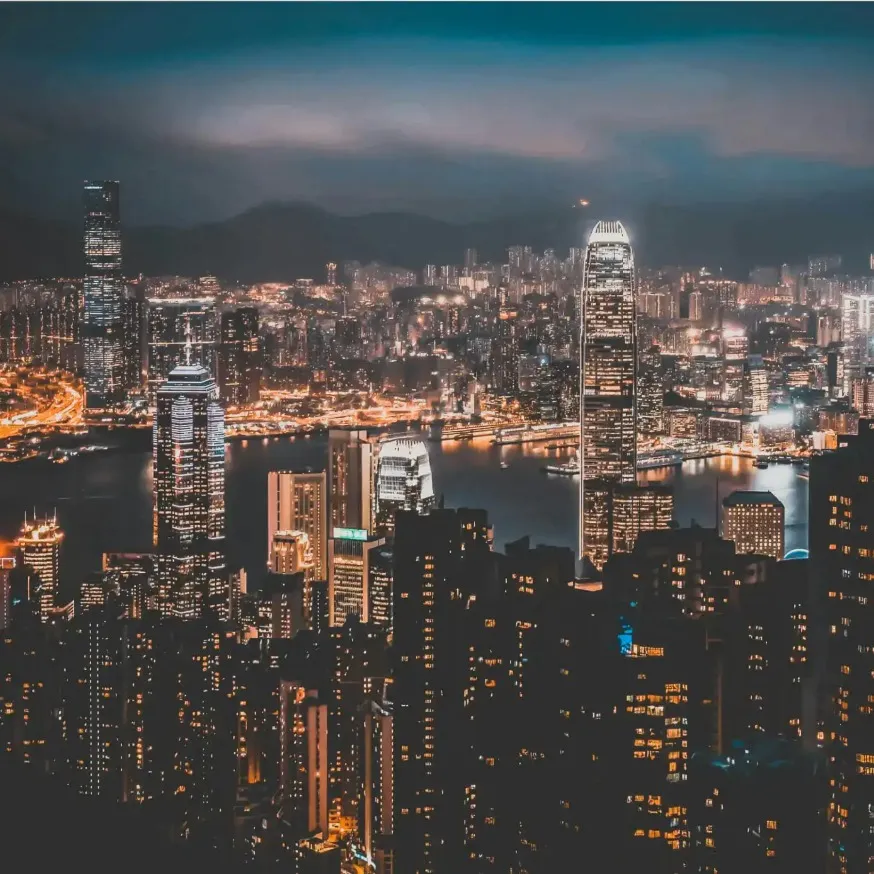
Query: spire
x=187, y=338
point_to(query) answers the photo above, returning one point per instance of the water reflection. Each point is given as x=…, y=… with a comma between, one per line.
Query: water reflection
x=521, y=499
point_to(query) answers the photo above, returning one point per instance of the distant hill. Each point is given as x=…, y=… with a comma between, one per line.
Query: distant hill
x=282, y=241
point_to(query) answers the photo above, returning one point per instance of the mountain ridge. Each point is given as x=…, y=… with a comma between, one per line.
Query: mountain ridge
x=280, y=241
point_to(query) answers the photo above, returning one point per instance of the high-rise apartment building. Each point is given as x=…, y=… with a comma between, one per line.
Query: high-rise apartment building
x=403, y=480
x=189, y=494
x=841, y=523
x=862, y=396
x=102, y=310
x=351, y=472
x=180, y=330
x=608, y=363
x=39, y=548
x=298, y=501
x=756, y=522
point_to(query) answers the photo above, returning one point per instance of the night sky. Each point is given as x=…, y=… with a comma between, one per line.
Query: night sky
x=452, y=110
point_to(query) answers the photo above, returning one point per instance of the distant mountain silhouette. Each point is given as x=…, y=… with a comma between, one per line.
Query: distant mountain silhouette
x=283, y=241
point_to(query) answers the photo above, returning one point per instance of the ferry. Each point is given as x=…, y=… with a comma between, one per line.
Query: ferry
x=659, y=458
x=571, y=468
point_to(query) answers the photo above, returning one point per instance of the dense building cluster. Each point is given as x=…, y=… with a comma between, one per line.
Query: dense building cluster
x=397, y=695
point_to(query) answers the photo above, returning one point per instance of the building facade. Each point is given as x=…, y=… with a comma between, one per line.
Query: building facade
x=608, y=362
x=102, y=311
x=189, y=494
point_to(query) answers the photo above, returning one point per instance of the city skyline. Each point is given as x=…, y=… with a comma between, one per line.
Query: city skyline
x=392, y=545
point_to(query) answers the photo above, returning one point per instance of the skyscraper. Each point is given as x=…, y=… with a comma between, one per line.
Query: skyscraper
x=755, y=521
x=239, y=357
x=297, y=501
x=403, y=480
x=608, y=361
x=857, y=333
x=189, y=494
x=102, y=312
x=349, y=574
x=39, y=546
x=351, y=476
x=842, y=568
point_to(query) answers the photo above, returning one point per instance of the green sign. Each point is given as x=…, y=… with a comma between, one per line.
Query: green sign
x=350, y=534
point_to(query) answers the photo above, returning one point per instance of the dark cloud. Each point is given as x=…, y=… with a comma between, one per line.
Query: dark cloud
x=354, y=116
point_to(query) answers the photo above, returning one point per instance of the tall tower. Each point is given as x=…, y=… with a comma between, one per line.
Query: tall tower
x=351, y=478
x=102, y=314
x=189, y=497
x=39, y=546
x=608, y=361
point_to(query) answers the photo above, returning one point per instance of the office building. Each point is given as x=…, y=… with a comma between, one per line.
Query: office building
x=133, y=319
x=297, y=501
x=756, y=396
x=349, y=552
x=379, y=587
x=290, y=553
x=176, y=325
x=862, y=395
x=403, y=480
x=608, y=363
x=650, y=393
x=857, y=332
x=842, y=571
x=756, y=522
x=189, y=494
x=39, y=548
x=102, y=295
x=351, y=473
x=239, y=357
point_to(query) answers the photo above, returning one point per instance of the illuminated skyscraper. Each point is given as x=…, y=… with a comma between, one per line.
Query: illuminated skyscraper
x=349, y=574
x=297, y=501
x=189, y=494
x=755, y=386
x=857, y=333
x=650, y=393
x=239, y=357
x=351, y=476
x=756, y=522
x=608, y=362
x=403, y=480
x=39, y=545
x=863, y=394
x=102, y=312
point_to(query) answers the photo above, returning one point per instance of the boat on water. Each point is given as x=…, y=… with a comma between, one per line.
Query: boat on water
x=505, y=465
x=762, y=465
x=570, y=468
x=659, y=458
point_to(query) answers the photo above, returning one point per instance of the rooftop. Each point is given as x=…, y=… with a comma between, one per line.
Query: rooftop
x=736, y=499
x=609, y=232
